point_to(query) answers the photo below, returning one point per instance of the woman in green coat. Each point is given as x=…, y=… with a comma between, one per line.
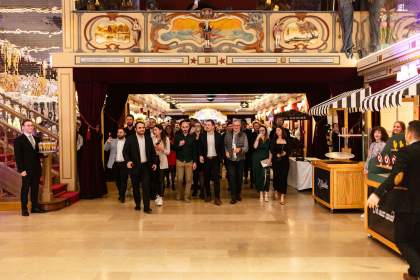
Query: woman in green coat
x=262, y=147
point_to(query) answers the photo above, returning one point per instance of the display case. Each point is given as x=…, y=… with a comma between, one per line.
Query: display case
x=338, y=184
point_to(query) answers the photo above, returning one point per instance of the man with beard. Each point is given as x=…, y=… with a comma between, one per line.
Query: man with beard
x=129, y=125
x=141, y=158
x=116, y=162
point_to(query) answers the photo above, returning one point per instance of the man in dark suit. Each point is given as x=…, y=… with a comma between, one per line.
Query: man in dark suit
x=405, y=175
x=28, y=165
x=211, y=155
x=141, y=158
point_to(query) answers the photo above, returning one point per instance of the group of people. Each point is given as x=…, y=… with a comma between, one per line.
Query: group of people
x=187, y=156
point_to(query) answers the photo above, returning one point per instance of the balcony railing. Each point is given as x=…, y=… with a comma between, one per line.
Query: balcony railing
x=230, y=31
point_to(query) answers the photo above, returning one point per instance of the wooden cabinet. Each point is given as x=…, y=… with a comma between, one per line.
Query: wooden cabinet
x=338, y=184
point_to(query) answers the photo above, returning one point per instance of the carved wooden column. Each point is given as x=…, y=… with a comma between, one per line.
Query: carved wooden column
x=67, y=132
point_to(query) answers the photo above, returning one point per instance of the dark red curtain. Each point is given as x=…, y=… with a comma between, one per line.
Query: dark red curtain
x=91, y=97
x=114, y=110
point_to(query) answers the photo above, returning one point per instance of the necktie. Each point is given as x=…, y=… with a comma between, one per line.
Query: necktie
x=32, y=140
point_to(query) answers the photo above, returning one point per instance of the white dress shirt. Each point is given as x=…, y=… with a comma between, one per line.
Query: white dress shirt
x=31, y=139
x=142, y=148
x=211, y=146
x=120, y=147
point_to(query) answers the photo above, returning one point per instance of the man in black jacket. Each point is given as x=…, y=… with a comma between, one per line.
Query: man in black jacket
x=405, y=175
x=141, y=158
x=28, y=165
x=211, y=155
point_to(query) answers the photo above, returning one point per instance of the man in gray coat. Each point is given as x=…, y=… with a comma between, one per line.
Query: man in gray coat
x=236, y=146
x=117, y=163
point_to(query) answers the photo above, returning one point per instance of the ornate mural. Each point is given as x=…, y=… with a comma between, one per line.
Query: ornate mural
x=112, y=32
x=207, y=31
x=299, y=32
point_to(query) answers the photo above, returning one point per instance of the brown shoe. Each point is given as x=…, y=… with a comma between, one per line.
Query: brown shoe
x=407, y=276
x=218, y=202
x=208, y=199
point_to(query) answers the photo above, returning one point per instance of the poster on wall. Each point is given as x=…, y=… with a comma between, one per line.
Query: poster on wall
x=381, y=221
x=322, y=184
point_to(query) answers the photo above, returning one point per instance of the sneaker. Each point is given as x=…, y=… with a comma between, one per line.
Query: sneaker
x=157, y=200
x=160, y=201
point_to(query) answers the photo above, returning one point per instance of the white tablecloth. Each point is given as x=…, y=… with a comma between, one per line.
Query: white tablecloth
x=300, y=174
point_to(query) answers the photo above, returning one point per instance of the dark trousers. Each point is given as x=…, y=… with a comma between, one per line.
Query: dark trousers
x=29, y=182
x=280, y=172
x=170, y=177
x=248, y=168
x=142, y=176
x=163, y=173
x=374, y=24
x=212, y=173
x=407, y=232
x=120, y=173
x=346, y=9
x=236, y=174
x=198, y=181
x=155, y=183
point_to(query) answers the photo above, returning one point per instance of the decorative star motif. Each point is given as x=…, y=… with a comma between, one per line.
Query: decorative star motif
x=222, y=60
x=193, y=60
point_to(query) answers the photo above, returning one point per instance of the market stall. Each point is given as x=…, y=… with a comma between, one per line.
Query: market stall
x=338, y=182
x=379, y=222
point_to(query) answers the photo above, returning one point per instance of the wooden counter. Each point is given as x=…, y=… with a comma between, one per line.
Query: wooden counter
x=338, y=184
x=378, y=223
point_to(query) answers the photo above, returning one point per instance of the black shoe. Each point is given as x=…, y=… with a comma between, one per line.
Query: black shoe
x=25, y=213
x=148, y=211
x=207, y=199
x=239, y=198
x=233, y=201
x=122, y=199
x=37, y=210
x=137, y=208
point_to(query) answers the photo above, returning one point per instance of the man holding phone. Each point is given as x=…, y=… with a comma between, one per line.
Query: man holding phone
x=185, y=156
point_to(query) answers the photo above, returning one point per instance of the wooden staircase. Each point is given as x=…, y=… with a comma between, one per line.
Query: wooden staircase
x=10, y=180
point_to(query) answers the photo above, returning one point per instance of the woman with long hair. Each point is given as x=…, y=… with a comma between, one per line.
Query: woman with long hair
x=198, y=175
x=261, y=152
x=398, y=128
x=378, y=138
x=279, y=156
x=170, y=133
x=163, y=149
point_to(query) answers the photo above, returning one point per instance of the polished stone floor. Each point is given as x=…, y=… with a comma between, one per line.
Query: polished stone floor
x=103, y=239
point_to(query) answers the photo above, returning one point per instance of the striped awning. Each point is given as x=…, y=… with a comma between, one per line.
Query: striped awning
x=351, y=100
x=392, y=96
